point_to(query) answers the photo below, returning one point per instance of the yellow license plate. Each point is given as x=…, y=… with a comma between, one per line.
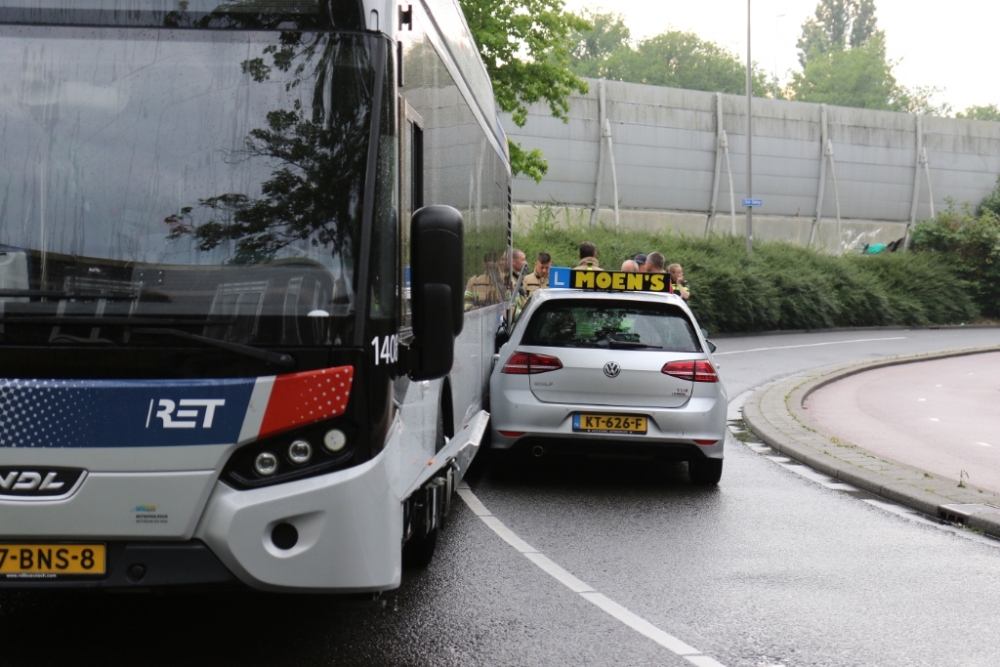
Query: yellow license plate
x=46, y=561
x=609, y=423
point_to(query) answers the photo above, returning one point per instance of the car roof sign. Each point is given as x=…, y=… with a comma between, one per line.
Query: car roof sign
x=599, y=280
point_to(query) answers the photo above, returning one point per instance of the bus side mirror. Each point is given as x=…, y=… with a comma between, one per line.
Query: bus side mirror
x=711, y=345
x=437, y=289
x=501, y=339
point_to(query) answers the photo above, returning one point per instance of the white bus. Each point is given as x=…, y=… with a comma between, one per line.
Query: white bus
x=213, y=216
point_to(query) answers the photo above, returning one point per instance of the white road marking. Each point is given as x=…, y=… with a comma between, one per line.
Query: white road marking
x=470, y=499
x=791, y=347
x=921, y=399
x=584, y=590
x=640, y=625
x=507, y=534
x=564, y=577
x=935, y=419
x=984, y=444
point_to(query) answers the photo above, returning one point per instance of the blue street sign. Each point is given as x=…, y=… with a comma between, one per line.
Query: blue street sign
x=753, y=202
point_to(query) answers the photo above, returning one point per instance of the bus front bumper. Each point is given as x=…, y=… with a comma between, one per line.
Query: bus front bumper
x=348, y=527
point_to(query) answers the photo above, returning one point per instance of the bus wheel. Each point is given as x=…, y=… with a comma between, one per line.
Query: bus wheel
x=418, y=551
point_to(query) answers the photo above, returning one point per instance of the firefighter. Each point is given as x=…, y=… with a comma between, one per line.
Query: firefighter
x=484, y=290
x=588, y=257
x=539, y=278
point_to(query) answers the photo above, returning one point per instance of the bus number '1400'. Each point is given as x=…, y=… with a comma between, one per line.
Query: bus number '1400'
x=388, y=352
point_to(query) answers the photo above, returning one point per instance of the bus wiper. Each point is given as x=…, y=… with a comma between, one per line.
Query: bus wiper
x=273, y=358
x=103, y=320
x=68, y=294
x=634, y=344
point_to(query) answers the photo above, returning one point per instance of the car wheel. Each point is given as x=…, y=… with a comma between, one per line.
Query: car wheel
x=704, y=471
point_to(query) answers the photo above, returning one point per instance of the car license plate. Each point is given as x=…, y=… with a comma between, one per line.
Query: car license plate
x=47, y=561
x=586, y=423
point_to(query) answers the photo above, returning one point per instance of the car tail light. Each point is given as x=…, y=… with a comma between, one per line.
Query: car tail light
x=522, y=363
x=692, y=371
x=705, y=442
x=512, y=434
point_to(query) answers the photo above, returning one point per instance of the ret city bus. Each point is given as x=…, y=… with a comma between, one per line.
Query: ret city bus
x=234, y=240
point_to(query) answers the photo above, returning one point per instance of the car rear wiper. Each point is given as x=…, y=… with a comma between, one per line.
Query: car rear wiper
x=273, y=358
x=634, y=344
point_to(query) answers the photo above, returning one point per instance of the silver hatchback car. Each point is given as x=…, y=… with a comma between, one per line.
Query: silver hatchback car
x=626, y=374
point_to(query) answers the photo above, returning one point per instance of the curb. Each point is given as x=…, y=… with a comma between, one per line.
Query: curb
x=774, y=413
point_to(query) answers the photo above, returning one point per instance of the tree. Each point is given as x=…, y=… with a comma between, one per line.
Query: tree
x=839, y=25
x=592, y=48
x=859, y=77
x=987, y=112
x=683, y=60
x=919, y=100
x=526, y=47
x=844, y=63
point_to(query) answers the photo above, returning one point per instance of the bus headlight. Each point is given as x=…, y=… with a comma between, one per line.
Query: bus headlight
x=310, y=450
x=266, y=464
x=299, y=452
x=334, y=440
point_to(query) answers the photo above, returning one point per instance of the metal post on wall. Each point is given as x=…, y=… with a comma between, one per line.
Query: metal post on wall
x=836, y=193
x=732, y=193
x=721, y=151
x=823, y=139
x=601, y=117
x=614, y=176
x=916, y=183
x=710, y=221
x=927, y=172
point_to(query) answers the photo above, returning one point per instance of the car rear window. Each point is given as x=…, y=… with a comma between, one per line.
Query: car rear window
x=611, y=324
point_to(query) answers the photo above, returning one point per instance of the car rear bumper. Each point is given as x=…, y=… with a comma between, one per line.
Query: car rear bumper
x=672, y=432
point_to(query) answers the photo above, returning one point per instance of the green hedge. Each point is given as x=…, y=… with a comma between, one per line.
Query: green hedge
x=783, y=286
x=970, y=244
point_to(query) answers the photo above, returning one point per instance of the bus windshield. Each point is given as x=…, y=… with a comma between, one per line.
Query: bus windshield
x=212, y=179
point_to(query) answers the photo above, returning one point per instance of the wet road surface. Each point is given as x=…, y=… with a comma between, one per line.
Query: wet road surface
x=942, y=416
x=767, y=569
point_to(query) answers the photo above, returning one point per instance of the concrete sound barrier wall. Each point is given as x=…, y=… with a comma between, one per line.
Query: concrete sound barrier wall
x=883, y=170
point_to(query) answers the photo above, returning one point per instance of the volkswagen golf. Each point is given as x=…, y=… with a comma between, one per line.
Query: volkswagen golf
x=609, y=373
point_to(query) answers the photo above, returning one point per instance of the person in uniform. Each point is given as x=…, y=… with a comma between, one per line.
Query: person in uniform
x=539, y=278
x=678, y=284
x=484, y=290
x=516, y=266
x=588, y=257
x=654, y=263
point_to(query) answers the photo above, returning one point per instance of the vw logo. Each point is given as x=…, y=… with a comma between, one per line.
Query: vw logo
x=611, y=369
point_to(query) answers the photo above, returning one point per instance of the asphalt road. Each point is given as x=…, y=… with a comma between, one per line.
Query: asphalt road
x=767, y=569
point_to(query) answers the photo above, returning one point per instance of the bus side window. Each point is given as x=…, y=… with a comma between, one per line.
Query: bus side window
x=412, y=197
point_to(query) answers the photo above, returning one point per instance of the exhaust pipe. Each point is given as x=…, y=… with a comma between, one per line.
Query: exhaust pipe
x=538, y=451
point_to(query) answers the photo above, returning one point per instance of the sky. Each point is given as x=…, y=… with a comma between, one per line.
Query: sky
x=950, y=45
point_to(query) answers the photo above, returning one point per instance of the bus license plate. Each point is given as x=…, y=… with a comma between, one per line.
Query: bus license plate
x=46, y=561
x=609, y=424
